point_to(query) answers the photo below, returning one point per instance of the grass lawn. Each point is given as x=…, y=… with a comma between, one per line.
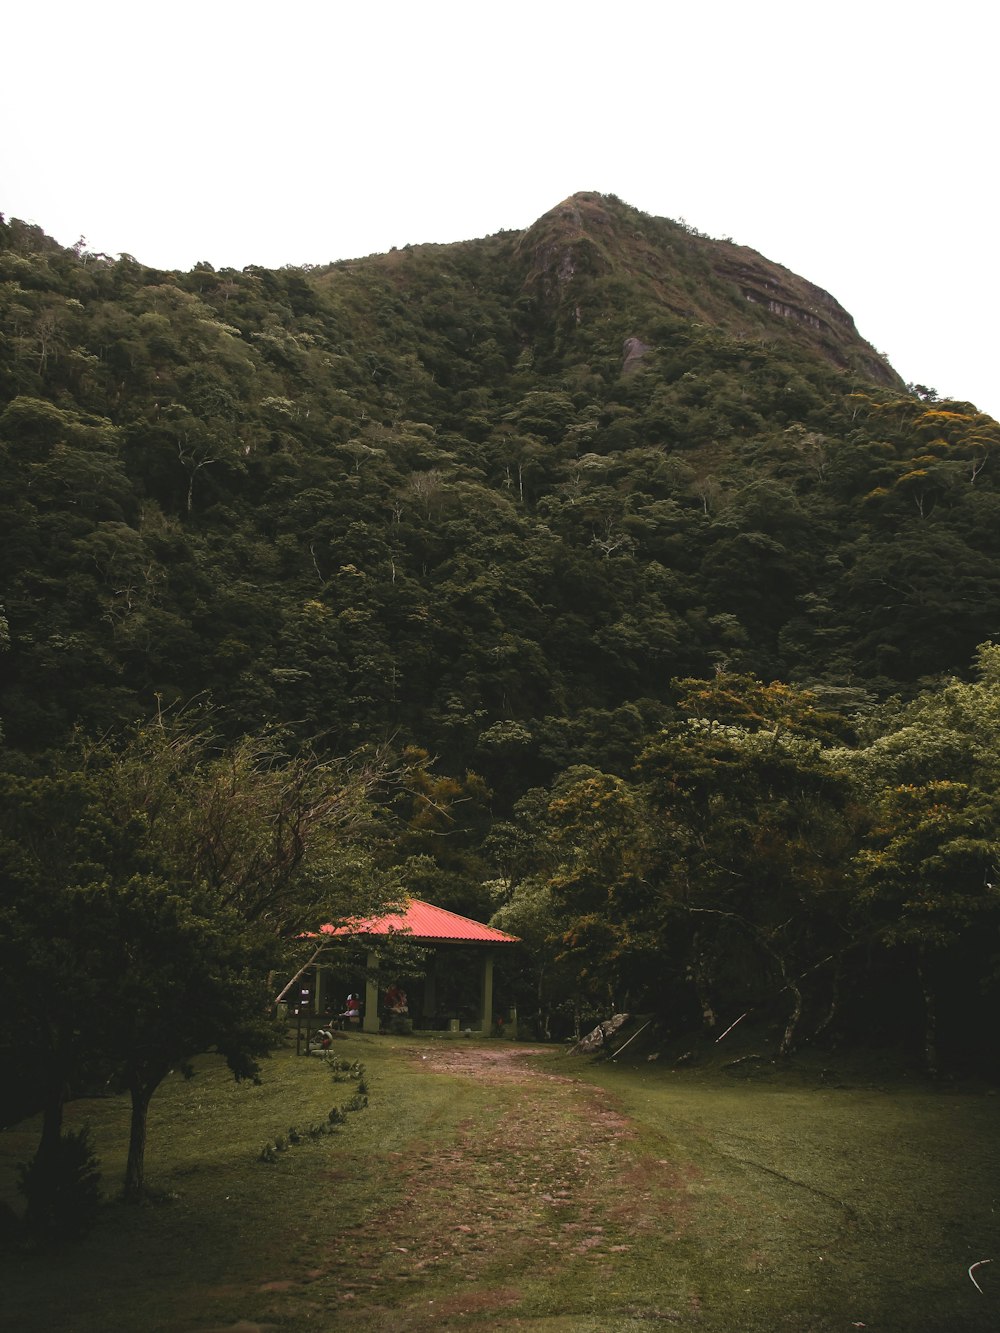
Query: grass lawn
x=486, y=1187
x=822, y=1203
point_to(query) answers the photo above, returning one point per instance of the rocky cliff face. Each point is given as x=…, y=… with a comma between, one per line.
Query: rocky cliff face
x=571, y=253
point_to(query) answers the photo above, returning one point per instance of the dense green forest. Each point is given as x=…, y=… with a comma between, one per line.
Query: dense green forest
x=599, y=576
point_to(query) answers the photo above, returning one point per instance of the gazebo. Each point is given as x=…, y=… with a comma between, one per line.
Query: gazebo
x=429, y=927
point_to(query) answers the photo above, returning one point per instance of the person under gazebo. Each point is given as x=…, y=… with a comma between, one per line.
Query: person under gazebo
x=396, y=1006
x=351, y=1017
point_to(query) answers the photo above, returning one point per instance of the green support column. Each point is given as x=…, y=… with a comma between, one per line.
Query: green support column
x=486, y=1007
x=324, y=990
x=430, y=998
x=370, y=1021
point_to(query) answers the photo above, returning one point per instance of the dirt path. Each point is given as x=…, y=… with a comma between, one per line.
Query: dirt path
x=541, y=1182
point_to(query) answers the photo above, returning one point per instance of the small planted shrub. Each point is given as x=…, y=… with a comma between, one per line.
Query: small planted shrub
x=62, y=1188
x=344, y=1071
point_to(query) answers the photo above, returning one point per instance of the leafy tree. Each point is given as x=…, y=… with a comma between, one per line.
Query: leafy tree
x=531, y=913
x=51, y=837
x=523, y=856
x=179, y=971
x=280, y=837
x=602, y=841
x=924, y=878
x=158, y=880
x=927, y=884
x=759, y=826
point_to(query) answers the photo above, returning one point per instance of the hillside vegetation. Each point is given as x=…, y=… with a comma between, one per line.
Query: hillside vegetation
x=627, y=590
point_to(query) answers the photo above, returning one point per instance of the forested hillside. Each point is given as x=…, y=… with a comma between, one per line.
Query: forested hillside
x=643, y=574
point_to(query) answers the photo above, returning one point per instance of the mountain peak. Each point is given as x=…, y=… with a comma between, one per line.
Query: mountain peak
x=589, y=241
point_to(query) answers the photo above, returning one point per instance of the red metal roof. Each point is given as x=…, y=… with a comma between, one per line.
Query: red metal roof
x=424, y=924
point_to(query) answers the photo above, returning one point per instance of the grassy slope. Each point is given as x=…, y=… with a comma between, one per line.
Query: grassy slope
x=560, y=1194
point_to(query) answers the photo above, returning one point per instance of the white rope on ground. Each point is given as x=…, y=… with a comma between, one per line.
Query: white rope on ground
x=973, y=1269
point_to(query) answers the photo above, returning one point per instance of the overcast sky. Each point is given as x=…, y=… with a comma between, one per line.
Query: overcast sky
x=855, y=143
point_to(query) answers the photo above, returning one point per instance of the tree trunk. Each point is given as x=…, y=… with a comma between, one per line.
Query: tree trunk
x=542, y=1015
x=831, y=1012
x=52, y=1114
x=701, y=977
x=793, y=1019
x=135, y=1167
x=930, y=1017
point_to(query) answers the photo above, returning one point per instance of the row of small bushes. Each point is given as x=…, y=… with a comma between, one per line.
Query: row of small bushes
x=62, y=1187
x=341, y=1071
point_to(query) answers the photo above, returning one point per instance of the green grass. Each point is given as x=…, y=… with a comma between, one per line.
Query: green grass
x=574, y=1196
x=221, y=1220
x=818, y=1207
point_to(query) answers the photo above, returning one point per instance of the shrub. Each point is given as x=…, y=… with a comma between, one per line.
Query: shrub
x=62, y=1189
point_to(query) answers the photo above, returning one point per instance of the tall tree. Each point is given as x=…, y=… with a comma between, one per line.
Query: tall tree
x=759, y=827
x=928, y=885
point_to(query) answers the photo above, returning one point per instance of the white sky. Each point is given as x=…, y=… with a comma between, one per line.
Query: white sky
x=855, y=143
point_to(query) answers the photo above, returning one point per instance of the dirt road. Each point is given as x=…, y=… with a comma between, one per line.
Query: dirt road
x=543, y=1188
